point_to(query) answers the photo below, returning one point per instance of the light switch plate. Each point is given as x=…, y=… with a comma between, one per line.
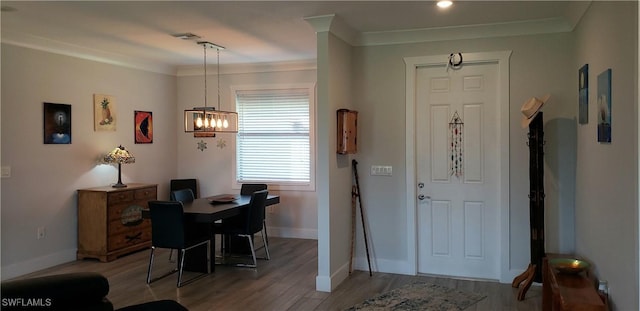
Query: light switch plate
x=381, y=170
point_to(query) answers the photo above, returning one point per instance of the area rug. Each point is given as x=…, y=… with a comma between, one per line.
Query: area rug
x=420, y=296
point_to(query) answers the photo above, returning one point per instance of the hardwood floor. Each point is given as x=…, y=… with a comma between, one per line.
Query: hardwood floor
x=286, y=282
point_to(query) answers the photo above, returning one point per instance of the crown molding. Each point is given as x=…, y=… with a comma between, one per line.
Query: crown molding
x=541, y=26
x=56, y=47
x=250, y=68
x=334, y=24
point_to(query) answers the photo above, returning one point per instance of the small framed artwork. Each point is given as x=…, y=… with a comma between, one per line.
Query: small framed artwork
x=143, y=127
x=583, y=94
x=604, y=106
x=104, y=109
x=57, y=123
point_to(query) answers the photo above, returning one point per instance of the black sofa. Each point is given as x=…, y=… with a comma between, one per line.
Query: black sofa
x=84, y=291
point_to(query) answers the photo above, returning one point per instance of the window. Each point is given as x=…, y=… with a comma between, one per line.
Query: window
x=275, y=136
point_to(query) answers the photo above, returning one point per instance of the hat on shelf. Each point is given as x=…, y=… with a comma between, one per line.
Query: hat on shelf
x=531, y=108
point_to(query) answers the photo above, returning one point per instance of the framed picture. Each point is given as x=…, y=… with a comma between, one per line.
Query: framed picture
x=57, y=123
x=104, y=113
x=143, y=127
x=604, y=106
x=583, y=94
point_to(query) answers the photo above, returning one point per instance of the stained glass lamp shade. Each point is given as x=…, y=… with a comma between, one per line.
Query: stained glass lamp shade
x=119, y=155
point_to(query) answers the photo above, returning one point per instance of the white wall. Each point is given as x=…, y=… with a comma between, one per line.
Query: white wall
x=540, y=64
x=607, y=178
x=296, y=215
x=41, y=191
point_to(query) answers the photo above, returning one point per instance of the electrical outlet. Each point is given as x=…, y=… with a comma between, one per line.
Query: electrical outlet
x=41, y=233
x=5, y=171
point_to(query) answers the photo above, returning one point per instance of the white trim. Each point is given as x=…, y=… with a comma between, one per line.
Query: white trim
x=198, y=70
x=328, y=284
x=412, y=64
x=292, y=233
x=36, y=264
x=61, y=48
x=519, y=28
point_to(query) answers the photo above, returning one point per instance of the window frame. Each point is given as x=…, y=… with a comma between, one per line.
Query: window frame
x=280, y=185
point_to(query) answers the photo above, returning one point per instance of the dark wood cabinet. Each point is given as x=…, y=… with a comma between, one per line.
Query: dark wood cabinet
x=347, y=141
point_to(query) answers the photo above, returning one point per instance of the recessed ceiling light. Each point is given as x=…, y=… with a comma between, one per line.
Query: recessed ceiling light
x=444, y=4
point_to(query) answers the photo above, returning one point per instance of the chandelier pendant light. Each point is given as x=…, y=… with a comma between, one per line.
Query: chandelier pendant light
x=207, y=119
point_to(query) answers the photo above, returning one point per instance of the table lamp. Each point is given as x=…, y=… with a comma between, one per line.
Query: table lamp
x=119, y=155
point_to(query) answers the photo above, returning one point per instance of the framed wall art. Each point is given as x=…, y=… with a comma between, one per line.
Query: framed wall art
x=604, y=106
x=583, y=94
x=57, y=123
x=104, y=108
x=143, y=127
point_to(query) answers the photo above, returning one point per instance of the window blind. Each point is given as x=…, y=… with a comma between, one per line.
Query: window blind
x=273, y=142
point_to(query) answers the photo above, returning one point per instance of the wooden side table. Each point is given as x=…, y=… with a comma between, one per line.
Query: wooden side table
x=110, y=222
x=568, y=292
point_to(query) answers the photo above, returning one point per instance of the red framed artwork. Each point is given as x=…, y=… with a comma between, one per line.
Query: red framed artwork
x=143, y=127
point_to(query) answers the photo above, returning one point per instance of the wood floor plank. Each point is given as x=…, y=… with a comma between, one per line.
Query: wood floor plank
x=286, y=282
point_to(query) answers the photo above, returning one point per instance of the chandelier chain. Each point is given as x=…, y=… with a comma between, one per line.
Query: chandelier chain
x=205, y=74
x=218, y=76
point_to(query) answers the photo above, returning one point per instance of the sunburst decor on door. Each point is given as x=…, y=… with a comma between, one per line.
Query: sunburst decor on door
x=456, y=127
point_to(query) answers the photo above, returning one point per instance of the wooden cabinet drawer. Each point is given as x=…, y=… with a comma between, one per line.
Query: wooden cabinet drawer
x=128, y=212
x=119, y=197
x=145, y=194
x=130, y=238
x=117, y=227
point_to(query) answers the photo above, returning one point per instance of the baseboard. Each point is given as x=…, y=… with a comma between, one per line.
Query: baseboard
x=294, y=233
x=36, y=264
x=328, y=284
x=382, y=265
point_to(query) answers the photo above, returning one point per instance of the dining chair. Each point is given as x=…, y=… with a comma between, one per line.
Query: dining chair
x=250, y=222
x=183, y=195
x=248, y=189
x=189, y=183
x=168, y=231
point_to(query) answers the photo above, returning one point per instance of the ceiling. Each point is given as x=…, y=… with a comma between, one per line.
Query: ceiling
x=140, y=33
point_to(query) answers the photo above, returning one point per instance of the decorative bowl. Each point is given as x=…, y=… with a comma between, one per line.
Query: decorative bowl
x=569, y=265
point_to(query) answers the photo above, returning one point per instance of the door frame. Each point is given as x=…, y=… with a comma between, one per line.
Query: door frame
x=501, y=58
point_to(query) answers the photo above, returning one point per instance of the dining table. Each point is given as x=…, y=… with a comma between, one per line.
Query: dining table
x=201, y=213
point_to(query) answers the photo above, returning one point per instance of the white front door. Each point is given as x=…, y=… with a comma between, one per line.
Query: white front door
x=457, y=170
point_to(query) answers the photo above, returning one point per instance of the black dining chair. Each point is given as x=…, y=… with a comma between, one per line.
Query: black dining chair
x=249, y=222
x=189, y=183
x=168, y=231
x=183, y=195
x=248, y=189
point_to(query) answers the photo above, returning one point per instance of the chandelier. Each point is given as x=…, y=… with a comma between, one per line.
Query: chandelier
x=207, y=119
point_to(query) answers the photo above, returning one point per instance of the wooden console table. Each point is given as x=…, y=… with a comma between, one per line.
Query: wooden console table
x=568, y=292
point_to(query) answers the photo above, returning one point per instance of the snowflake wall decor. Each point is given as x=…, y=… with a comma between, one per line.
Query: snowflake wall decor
x=202, y=145
x=221, y=143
